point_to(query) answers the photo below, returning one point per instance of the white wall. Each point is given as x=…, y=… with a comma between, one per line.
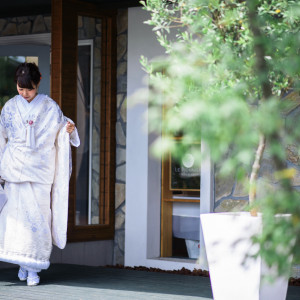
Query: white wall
x=142, y=225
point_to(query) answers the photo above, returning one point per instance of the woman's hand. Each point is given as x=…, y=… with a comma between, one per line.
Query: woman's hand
x=70, y=127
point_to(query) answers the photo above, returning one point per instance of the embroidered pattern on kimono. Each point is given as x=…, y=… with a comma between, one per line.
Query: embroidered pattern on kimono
x=34, y=162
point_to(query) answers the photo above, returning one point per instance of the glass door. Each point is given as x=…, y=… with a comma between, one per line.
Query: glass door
x=83, y=61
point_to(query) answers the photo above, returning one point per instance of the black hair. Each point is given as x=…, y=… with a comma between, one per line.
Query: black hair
x=26, y=74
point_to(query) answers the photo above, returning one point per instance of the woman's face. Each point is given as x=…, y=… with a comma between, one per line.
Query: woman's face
x=28, y=94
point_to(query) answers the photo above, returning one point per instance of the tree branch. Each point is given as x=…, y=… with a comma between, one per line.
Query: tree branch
x=255, y=171
x=262, y=70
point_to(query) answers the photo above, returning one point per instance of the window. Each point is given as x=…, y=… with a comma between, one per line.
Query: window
x=84, y=83
x=180, y=206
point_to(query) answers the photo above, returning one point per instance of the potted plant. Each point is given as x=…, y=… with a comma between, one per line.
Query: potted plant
x=229, y=67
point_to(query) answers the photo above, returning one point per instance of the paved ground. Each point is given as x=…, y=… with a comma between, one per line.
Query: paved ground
x=63, y=282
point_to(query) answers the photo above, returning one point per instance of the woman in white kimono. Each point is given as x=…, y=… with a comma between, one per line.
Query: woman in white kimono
x=35, y=142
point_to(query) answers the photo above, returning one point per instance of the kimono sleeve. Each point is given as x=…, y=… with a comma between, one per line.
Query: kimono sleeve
x=60, y=190
x=3, y=134
x=74, y=137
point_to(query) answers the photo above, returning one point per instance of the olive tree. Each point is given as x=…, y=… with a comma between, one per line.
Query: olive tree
x=230, y=64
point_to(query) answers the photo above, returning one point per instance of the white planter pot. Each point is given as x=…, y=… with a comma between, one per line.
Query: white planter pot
x=227, y=238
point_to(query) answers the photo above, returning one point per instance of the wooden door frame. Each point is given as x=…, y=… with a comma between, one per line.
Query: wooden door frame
x=64, y=41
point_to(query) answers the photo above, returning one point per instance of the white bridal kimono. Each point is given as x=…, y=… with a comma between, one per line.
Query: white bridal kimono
x=35, y=165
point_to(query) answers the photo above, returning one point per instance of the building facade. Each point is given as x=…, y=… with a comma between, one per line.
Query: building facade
x=89, y=53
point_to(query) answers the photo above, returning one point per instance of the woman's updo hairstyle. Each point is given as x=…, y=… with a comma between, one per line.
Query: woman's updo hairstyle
x=26, y=74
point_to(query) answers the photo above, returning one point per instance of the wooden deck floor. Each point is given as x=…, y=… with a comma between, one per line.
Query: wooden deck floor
x=63, y=282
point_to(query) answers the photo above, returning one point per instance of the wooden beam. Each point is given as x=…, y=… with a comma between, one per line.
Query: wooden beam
x=166, y=244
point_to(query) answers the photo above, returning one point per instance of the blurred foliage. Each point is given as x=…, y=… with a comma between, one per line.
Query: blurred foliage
x=211, y=87
x=8, y=65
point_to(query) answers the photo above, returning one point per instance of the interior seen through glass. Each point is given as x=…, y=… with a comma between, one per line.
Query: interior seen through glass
x=87, y=208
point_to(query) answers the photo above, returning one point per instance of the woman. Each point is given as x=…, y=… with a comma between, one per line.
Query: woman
x=34, y=163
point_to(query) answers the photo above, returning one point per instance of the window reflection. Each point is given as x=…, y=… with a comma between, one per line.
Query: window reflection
x=83, y=124
x=180, y=218
x=88, y=121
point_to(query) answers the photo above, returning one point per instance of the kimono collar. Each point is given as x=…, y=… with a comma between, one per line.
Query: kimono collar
x=29, y=112
x=24, y=106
